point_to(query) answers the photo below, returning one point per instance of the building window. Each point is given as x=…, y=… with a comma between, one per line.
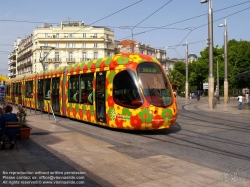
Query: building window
x=70, y=35
x=73, y=45
x=56, y=65
x=46, y=35
x=95, y=55
x=107, y=36
x=108, y=54
x=57, y=35
x=57, y=56
x=108, y=46
x=84, y=35
x=95, y=35
x=84, y=56
x=67, y=45
x=57, y=45
x=83, y=45
x=70, y=56
x=46, y=44
x=95, y=45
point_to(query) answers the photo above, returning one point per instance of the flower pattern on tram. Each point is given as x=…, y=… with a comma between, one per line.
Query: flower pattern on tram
x=136, y=122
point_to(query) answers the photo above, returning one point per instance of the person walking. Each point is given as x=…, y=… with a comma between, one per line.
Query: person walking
x=247, y=97
x=240, y=98
x=198, y=95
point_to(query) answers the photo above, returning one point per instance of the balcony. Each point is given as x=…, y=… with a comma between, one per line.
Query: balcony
x=70, y=59
x=12, y=62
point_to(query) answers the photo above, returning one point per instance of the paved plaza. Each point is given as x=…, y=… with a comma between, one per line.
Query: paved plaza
x=66, y=146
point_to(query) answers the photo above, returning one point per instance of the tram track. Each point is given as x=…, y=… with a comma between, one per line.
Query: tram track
x=183, y=108
x=198, y=146
x=212, y=119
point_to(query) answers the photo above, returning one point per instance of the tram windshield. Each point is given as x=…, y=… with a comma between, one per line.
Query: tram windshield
x=154, y=84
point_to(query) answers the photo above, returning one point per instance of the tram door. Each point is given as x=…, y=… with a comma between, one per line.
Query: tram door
x=19, y=91
x=40, y=94
x=13, y=93
x=55, y=95
x=100, y=96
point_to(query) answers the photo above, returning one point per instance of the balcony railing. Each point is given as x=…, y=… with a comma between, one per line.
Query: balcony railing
x=70, y=59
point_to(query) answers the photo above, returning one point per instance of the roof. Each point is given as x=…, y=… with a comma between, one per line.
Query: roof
x=243, y=75
x=192, y=55
x=126, y=43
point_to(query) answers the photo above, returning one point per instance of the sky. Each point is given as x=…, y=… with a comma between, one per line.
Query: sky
x=164, y=24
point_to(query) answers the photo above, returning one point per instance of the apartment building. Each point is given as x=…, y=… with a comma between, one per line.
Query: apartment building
x=49, y=47
x=13, y=60
x=70, y=42
x=24, y=56
x=128, y=46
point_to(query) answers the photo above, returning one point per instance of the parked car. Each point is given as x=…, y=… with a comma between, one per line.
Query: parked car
x=193, y=95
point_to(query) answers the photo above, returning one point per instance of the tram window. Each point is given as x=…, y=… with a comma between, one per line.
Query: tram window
x=126, y=92
x=19, y=89
x=80, y=88
x=47, y=89
x=73, y=89
x=86, y=88
x=7, y=90
x=154, y=84
x=29, y=89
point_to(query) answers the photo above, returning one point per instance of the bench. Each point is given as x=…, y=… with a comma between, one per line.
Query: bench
x=9, y=125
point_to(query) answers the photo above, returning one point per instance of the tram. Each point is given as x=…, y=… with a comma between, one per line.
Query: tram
x=126, y=91
x=2, y=98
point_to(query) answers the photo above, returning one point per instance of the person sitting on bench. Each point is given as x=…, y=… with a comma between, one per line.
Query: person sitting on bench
x=8, y=117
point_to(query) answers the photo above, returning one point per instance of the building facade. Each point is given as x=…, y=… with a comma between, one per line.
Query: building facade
x=25, y=56
x=13, y=60
x=49, y=47
x=128, y=46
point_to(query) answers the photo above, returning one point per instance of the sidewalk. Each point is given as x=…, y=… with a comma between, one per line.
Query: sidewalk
x=62, y=147
x=230, y=107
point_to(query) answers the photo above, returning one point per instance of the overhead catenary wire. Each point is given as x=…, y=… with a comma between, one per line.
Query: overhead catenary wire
x=143, y=32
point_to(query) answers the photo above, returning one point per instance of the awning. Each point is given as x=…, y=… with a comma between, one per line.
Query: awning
x=243, y=75
x=3, y=78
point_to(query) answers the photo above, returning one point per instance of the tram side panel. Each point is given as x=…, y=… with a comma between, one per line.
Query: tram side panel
x=29, y=92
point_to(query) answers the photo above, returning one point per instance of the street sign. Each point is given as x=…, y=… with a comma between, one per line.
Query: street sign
x=205, y=86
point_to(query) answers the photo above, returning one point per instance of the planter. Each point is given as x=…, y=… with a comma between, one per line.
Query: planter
x=25, y=133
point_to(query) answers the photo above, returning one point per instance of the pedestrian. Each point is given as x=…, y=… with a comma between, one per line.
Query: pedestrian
x=198, y=95
x=247, y=97
x=240, y=98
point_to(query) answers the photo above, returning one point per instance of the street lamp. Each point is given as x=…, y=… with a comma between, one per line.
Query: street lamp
x=186, y=90
x=225, y=61
x=210, y=42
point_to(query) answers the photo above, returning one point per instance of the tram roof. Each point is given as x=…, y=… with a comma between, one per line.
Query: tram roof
x=243, y=75
x=111, y=62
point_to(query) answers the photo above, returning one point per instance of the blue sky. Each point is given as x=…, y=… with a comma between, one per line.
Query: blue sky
x=143, y=15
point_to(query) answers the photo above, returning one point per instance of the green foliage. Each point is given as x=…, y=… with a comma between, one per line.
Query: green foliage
x=238, y=62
